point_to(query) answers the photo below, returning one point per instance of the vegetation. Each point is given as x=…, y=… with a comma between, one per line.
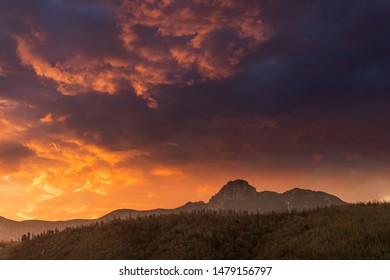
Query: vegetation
x=358, y=231
x=4, y=247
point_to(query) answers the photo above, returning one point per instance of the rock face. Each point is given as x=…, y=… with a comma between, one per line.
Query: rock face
x=239, y=195
x=236, y=195
x=299, y=199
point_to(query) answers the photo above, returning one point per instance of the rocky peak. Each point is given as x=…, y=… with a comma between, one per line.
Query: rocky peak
x=237, y=189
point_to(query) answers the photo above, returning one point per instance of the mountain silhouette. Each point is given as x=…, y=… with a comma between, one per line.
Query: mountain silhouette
x=237, y=195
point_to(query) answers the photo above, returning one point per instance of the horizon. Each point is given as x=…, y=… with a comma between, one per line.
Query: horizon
x=189, y=201
x=204, y=201
x=115, y=104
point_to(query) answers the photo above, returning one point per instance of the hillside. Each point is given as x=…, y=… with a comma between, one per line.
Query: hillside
x=358, y=231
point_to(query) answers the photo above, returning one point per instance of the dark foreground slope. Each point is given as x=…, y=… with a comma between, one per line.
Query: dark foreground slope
x=344, y=232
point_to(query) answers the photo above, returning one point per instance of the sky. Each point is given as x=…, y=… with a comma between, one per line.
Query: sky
x=111, y=104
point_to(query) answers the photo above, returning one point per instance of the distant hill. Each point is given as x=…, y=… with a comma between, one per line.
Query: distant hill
x=236, y=195
x=13, y=230
x=343, y=232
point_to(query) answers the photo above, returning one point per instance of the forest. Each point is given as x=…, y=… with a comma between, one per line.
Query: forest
x=353, y=231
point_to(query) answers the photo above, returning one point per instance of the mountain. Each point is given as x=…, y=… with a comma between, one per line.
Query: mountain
x=240, y=195
x=236, y=195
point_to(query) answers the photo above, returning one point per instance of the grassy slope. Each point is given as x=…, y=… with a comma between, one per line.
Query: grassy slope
x=346, y=232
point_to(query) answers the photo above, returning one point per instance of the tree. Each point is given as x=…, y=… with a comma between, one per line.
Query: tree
x=26, y=237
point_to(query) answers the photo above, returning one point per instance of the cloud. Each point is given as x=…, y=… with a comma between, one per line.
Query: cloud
x=47, y=119
x=251, y=89
x=11, y=155
x=2, y=72
x=88, y=187
x=161, y=171
x=267, y=91
x=47, y=191
x=157, y=43
x=77, y=75
x=25, y=213
x=184, y=41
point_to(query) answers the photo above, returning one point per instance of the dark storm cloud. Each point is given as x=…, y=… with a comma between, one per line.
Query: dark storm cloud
x=320, y=80
x=11, y=154
x=108, y=46
x=313, y=91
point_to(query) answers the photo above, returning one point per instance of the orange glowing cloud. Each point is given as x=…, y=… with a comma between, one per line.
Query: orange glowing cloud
x=77, y=75
x=164, y=171
x=208, y=37
x=180, y=43
x=63, y=172
x=2, y=72
x=11, y=126
x=39, y=172
x=47, y=119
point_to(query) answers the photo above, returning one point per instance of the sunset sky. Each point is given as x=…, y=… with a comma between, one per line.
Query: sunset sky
x=108, y=104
